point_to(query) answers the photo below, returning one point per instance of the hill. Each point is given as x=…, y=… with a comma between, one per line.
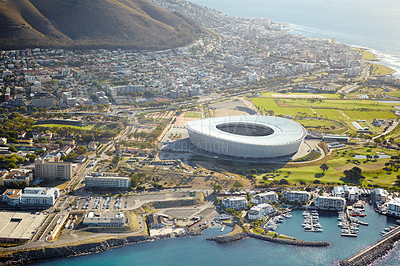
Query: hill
x=92, y=24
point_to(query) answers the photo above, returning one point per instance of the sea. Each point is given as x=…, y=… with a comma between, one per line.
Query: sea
x=372, y=24
x=199, y=251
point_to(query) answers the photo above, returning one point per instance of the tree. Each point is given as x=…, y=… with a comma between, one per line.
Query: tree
x=237, y=184
x=134, y=180
x=12, y=149
x=217, y=188
x=283, y=182
x=324, y=167
x=354, y=174
x=81, y=150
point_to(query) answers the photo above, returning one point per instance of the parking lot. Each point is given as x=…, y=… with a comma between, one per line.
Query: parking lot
x=104, y=203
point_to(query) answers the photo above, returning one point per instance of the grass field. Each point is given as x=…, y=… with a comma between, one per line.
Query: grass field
x=371, y=169
x=366, y=55
x=339, y=110
x=89, y=127
x=332, y=126
x=379, y=70
x=326, y=95
x=192, y=115
x=394, y=94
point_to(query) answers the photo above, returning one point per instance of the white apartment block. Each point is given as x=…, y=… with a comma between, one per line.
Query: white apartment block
x=39, y=196
x=266, y=197
x=292, y=195
x=31, y=196
x=349, y=193
x=236, y=203
x=53, y=170
x=380, y=194
x=330, y=203
x=107, y=181
x=260, y=211
x=393, y=207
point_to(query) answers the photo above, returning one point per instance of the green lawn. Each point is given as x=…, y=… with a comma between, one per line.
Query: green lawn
x=326, y=95
x=372, y=170
x=339, y=110
x=192, y=115
x=366, y=55
x=379, y=70
x=89, y=127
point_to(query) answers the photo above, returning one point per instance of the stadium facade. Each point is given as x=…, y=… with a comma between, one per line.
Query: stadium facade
x=247, y=136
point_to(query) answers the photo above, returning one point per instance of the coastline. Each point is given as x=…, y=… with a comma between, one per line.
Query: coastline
x=17, y=257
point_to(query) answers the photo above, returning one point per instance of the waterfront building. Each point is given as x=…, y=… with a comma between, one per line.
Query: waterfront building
x=52, y=170
x=292, y=196
x=350, y=193
x=338, y=191
x=104, y=219
x=155, y=221
x=32, y=196
x=269, y=196
x=100, y=180
x=330, y=203
x=236, y=203
x=260, y=211
x=394, y=207
x=380, y=194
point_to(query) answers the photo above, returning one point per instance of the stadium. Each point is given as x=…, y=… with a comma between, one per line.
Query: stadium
x=247, y=136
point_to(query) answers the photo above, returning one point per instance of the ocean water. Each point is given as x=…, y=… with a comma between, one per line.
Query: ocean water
x=198, y=251
x=373, y=24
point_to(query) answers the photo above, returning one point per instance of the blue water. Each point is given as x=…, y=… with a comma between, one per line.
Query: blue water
x=198, y=251
x=373, y=24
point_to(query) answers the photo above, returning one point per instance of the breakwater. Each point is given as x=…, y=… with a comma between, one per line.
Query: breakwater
x=46, y=253
x=374, y=252
x=232, y=238
x=293, y=242
x=228, y=238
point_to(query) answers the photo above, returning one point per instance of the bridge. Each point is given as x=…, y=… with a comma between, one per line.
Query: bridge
x=374, y=252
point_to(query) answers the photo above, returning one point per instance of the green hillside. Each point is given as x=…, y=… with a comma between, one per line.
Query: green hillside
x=92, y=24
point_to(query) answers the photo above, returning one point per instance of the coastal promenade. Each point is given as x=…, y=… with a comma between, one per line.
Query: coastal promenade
x=375, y=251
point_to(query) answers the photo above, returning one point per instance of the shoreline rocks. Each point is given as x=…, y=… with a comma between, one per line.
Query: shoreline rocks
x=373, y=254
x=48, y=253
x=232, y=238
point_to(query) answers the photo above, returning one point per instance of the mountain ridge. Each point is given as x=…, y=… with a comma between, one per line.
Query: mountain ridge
x=91, y=24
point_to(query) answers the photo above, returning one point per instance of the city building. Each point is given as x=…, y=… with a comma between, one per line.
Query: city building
x=12, y=197
x=51, y=170
x=24, y=225
x=380, y=194
x=106, y=181
x=350, y=193
x=266, y=197
x=249, y=136
x=260, y=211
x=155, y=221
x=292, y=196
x=39, y=196
x=393, y=207
x=104, y=219
x=236, y=203
x=15, y=176
x=330, y=203
x=31, y=196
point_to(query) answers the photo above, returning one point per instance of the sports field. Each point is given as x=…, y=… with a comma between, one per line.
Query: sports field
x=341, y=110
